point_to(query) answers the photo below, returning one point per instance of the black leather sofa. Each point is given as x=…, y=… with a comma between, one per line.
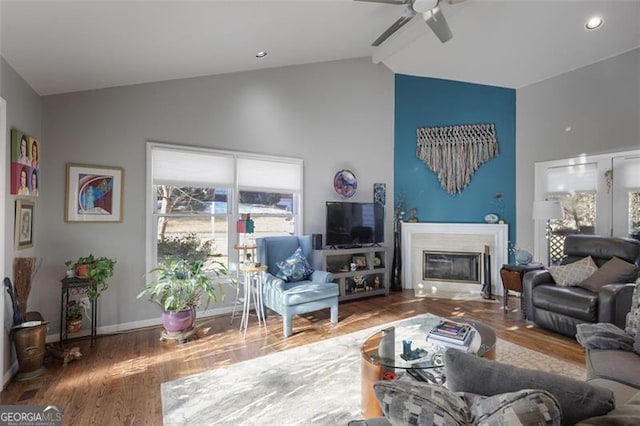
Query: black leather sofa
x=560, y=308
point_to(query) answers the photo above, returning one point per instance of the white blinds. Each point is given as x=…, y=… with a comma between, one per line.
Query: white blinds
x=260, y=174
x=630, y=173
x=191, y=168
x=576, y=178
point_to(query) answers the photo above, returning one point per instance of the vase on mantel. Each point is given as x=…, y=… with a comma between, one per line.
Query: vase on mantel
x=396, y=264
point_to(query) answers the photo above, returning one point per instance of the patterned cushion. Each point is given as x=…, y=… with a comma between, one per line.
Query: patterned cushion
x=633, y=317
x=419, y=403
x=295, y=268
x=573, y=273
x=525, y=407
x=614, y=271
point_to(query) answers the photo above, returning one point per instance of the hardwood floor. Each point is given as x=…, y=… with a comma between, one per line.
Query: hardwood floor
x=118, y=380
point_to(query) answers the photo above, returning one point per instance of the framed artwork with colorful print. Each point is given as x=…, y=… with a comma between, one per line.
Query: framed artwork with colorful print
x=94, y=193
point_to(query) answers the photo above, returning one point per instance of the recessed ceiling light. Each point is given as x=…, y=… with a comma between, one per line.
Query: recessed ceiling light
x=261, y=54
x=594, y=23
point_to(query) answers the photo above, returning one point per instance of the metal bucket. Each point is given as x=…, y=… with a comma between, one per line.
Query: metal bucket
x=30, y=350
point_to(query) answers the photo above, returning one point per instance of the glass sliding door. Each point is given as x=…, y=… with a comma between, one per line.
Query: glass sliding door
x=599, y=194
x=625, y=184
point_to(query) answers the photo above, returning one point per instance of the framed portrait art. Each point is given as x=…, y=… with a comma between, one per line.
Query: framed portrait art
x=25, y=164
x=94, y=193
x=24, y=224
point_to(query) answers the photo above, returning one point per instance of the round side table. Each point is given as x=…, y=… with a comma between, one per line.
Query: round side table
x=252, y=286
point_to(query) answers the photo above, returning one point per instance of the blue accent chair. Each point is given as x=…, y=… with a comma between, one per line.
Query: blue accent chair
x=294, y=298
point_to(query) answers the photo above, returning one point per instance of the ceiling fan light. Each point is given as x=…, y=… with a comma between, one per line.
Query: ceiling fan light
x=435, y=20
x=594, y=23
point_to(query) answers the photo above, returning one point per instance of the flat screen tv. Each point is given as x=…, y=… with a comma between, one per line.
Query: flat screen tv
x=354, y=224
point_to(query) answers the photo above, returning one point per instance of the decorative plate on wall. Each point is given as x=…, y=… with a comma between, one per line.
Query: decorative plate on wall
x=345, y=183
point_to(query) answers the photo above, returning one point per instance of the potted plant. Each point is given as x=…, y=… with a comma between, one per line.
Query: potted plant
x=74, y=316
x=179, y=286
x=97, y=270
x=70, y=269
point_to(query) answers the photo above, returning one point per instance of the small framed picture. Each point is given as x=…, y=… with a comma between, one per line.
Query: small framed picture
x=94, y=193
x=24, y=224
x=359, y=260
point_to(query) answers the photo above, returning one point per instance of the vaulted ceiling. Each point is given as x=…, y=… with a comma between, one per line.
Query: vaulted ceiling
x=66, y=46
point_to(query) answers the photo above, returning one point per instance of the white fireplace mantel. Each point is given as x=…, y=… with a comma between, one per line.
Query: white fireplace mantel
x=417, y=237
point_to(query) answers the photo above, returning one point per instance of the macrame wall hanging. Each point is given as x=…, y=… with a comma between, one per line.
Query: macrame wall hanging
x=454, y=153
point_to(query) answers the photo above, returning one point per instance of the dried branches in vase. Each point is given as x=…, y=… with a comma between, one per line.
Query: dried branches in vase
x=24, y=269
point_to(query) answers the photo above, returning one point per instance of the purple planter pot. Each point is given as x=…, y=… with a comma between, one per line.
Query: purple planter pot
x=178, y=322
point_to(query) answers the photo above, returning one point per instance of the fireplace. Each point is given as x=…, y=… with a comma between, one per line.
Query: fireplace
x=473, y=239
x=451, y=266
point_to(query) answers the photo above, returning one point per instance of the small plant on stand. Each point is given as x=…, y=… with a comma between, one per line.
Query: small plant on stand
x=75, y=311
x=70, y=269
x=74, y=317
x=97, y=270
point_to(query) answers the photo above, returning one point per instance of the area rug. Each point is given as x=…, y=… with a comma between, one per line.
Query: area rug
x=317, y=384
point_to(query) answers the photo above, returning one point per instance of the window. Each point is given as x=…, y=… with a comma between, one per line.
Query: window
x=197, y=195
x=600, y=194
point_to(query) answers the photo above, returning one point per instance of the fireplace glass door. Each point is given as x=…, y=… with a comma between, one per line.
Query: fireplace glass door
x=451, y=266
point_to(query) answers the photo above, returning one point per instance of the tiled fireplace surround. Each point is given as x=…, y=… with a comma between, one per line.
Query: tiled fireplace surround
x=451, y=237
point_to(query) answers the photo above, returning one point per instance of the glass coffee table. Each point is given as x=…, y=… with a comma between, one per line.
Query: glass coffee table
x=392, y=351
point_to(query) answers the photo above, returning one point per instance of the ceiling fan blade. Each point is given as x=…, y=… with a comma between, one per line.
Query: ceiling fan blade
x=392, y=29
x=386, y=1
x=435, y=20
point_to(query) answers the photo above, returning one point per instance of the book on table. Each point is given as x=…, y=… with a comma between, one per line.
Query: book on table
x=451, y=331
x=451, y=334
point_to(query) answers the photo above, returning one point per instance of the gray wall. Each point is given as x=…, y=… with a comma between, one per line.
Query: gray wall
x=601, y=104
x=24, y=112
x=332, y=115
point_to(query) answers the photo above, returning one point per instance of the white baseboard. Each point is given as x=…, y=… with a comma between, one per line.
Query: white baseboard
x=118, y=328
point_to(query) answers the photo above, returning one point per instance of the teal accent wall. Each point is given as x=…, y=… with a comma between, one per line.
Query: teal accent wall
x=427, y=102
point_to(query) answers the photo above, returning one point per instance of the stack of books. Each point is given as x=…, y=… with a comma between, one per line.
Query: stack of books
x=451, y=334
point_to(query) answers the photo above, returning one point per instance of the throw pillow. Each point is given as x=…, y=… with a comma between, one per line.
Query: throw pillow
x=633, y=317
x=573, y=273
x=418, y=403
x=295, y=268
x=614, y=271
x=578, y=400
x=525, y=407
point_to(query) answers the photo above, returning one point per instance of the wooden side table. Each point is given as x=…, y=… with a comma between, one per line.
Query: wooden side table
x=512, y=280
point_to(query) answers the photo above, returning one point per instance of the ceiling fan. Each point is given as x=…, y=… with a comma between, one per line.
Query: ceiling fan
x=430, y=11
